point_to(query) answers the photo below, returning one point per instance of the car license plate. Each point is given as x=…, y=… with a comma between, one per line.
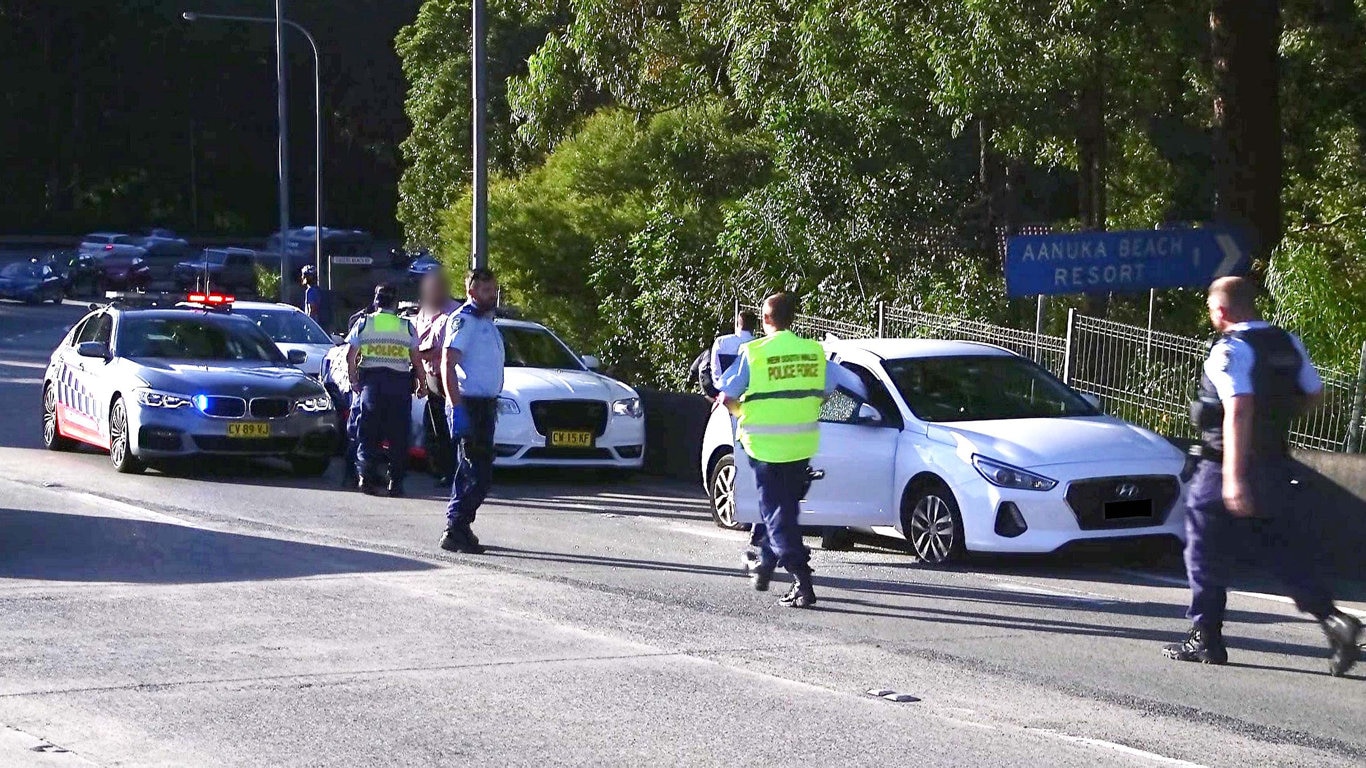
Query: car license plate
x=249, y=429
x=1128, y=510
x=567, y=439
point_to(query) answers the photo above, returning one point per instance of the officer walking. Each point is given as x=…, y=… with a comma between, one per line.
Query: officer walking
x=473, y=369
x=776, y=387
x=384, y=369
x=1257, y=379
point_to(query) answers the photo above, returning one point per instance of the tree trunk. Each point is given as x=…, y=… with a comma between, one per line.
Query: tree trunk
x=1091, y=157
x=1244, y=45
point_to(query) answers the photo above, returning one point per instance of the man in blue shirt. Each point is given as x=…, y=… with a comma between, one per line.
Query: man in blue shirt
x=313, y=295
x=725, y=350
x=473, y=379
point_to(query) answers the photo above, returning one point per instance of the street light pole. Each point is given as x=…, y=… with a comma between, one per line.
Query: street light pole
x=479, y=218
x=283, y=148
x=317, y=125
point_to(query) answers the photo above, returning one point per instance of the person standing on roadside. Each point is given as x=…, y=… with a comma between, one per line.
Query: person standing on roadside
x=383, y=368
x=726, y=349
x=313, y=295
x=473, y=379
x=1257, y=380
x=776, y=389
x=435, y=307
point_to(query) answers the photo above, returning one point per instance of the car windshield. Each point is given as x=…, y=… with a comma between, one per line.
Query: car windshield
x=536, y=348
x=22, y=269
x=213, y=257
x=981, y=387
x=287, y=326
x=195, y=338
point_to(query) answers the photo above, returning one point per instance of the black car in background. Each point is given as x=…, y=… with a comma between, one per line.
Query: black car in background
x=218, y=269
x=32, y=282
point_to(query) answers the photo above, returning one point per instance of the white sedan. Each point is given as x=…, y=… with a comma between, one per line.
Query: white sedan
x=556, y=410
x=965, y=447
x=291, y=329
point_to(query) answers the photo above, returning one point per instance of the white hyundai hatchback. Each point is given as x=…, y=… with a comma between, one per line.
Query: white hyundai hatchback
x=965, y=447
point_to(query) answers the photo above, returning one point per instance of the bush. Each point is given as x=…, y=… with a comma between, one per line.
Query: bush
x=267, y=283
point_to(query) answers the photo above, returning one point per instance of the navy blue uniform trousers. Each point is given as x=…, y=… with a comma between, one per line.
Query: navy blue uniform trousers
x=474, y=467
x=386, y=403
x=780, y=494
x=1279, y=537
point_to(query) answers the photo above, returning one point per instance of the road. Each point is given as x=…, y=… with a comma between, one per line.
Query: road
x=246, y=618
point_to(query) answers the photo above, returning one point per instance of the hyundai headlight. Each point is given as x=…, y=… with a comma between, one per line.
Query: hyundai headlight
x=314, y=404
x=508, y=406
x=629, y=407
x=155, y=398
x=1005, y=476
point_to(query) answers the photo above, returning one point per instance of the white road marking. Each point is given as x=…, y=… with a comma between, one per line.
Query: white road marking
x=130, y=510
x=1077, y=596
x=1175, y=582
x=23, y=364
x=1120, y=748
x=28, y=381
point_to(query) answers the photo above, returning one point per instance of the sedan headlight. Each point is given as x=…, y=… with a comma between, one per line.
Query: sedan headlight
x=507, y=405
x=1005, y=476
x=154, y=398
x=629, y=407
x=313, y=404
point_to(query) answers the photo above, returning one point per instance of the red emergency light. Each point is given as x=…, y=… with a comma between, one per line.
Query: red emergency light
x=216, y=299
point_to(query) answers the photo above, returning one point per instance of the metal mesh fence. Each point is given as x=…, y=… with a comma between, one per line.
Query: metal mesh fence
x=1048, y=351
x=1143, y=376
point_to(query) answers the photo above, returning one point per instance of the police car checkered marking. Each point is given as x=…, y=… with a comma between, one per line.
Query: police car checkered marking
x=74, y=395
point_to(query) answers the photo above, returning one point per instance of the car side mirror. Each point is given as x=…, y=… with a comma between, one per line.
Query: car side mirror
x=591, y=363
x=1094, y=400
x=93, y=349
x=867, y=414
x=296, y=356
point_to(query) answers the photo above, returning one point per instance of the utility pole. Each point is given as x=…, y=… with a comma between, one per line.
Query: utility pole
x=283, y=118
x=479, y=216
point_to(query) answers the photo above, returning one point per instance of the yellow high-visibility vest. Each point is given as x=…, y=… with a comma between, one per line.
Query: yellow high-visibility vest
x=385, y=340
x=781, y=409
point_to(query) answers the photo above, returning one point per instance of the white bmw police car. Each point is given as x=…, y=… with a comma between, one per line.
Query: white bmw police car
x=965, y=447
x=148, y=378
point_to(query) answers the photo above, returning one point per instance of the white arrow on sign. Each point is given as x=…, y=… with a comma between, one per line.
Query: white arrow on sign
x=1231, y=255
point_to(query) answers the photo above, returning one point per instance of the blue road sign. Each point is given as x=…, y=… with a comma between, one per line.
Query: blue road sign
x=1099, y=262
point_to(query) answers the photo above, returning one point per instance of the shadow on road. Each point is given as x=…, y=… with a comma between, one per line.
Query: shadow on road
x=68, y=547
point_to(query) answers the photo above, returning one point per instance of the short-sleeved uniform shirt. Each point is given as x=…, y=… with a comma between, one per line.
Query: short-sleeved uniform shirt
x=1229, y=366
x=476, y=337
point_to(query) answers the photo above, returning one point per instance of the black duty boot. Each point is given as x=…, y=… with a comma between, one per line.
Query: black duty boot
x=367, y=486
x=454, y=539
x=802, y=594
x=396, y=489
x=1344, y=635
x=1202, y=645
x=756, y=572
x=472, y=545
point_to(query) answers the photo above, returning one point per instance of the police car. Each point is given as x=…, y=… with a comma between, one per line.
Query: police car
x=150, y=378
x=965, y=447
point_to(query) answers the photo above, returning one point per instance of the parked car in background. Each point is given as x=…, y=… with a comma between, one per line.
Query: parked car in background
x=301, y=245
x=79, y=270
x=162, y=251
x=291, y=330
x=101, y=244
x=122, y=270
x=218, y=269
x=32, y=282
x=423, y=265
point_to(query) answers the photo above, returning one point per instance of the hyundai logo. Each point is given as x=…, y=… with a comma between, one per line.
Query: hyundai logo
x=1126, y=491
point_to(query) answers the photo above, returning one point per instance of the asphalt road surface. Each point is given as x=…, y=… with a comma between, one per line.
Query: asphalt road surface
x=232, y=615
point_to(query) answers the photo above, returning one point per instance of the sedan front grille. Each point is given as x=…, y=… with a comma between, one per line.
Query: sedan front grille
x=270, y=407
x=1122, y=502
x=569, y=416
x=222, y=407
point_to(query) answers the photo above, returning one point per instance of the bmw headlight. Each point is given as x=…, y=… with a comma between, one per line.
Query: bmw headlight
x=629, y=407
x=155, y=398
x=507, y=405
x=313, y=404
x=1005, y=476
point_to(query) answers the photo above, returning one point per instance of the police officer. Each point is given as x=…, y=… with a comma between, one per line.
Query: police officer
x=383, y=367
x=725, y=349
x=776, y=387
x=473, y=367
x=1257, y=379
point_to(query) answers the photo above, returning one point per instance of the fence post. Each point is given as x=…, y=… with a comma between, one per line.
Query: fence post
x=1355, y=426
x=1069, y=353
x=1152, y=306
x=1038, y=328
x=881, y=320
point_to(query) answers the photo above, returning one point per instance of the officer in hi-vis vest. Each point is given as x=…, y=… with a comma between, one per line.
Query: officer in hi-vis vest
x=385, y=371
x=776, y=388
x=1257, y=379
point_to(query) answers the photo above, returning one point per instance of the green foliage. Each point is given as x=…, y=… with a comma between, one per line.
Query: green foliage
x=267, y=283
